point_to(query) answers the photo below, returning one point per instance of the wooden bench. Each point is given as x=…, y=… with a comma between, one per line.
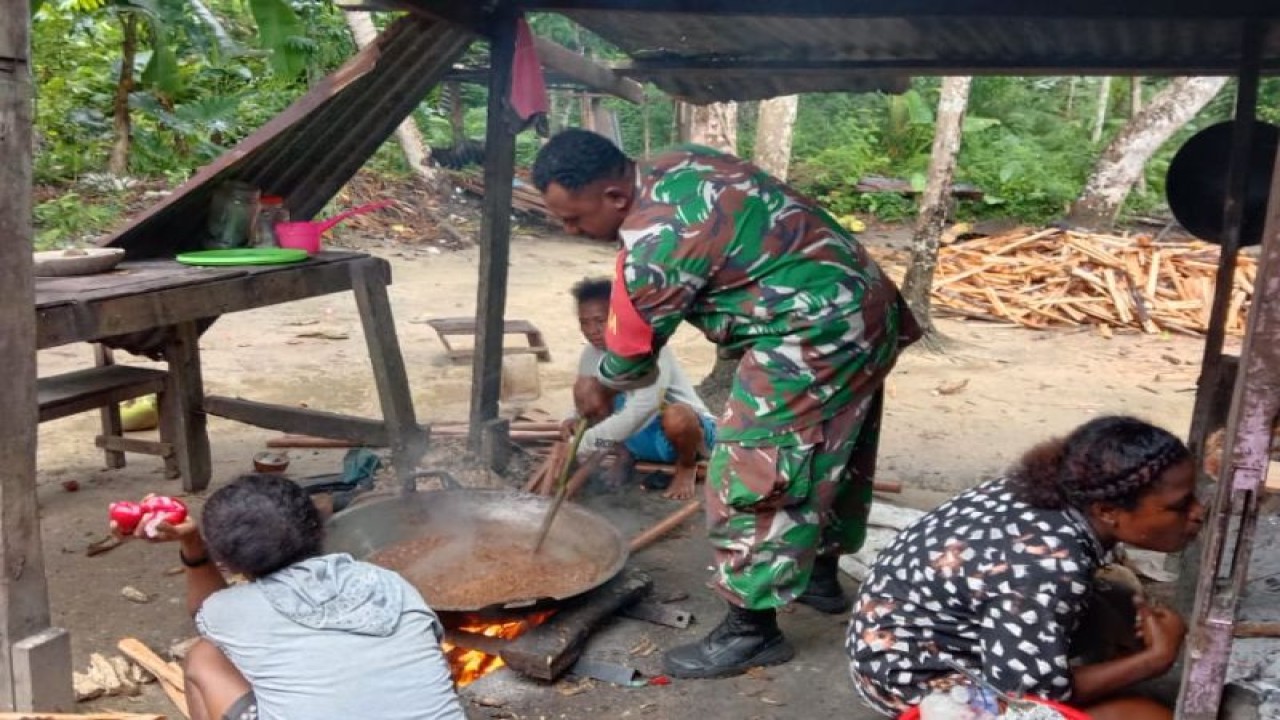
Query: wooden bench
x=462, y=326
x=102, y=388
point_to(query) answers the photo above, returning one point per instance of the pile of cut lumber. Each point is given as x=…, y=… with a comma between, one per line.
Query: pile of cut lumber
x=524, y=198
x=1057, y=278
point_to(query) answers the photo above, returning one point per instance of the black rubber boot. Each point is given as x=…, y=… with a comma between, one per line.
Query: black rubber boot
x=824, y=593
x=743, y=640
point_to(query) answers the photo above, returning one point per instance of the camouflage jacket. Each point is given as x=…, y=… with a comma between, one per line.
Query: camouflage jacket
x=763, y=272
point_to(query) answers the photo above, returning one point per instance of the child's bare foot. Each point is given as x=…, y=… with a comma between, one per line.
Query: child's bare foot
x=682, y=485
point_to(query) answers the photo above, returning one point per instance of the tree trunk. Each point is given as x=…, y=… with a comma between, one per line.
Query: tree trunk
x=410, y=138
x=457, y=120
x=773, y=134
x=1104, y=100
x=1135, y=107
x=715, y=125
x=226, y=45
x=122, y=123
x=952, y=104
x=1124, y=158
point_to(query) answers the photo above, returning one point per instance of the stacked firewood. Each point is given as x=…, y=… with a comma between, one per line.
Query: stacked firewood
x=1060, y=278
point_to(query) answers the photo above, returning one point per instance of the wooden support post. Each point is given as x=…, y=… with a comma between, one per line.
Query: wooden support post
x=408, y=439
x=24, y=593
x=1210, y=384
x=1246, y=111
x=1221, y=573
x=495, y=444
x=495, y=229
x=112, y=425
x=183, y=413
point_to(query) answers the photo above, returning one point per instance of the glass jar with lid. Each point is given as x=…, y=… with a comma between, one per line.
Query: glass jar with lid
x=231, y=214
x=271, y=211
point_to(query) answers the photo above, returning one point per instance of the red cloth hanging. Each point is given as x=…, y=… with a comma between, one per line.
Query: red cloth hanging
x=528, y=87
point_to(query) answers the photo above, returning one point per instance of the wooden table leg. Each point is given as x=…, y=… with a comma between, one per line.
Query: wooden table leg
x=183, y=416
x=408, y=439
x=112, y=425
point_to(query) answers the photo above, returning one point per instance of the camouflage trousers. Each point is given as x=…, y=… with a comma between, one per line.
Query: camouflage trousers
x=772, y=509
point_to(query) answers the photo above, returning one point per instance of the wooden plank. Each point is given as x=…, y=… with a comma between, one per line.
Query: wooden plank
x=301, y=421
x=128, y=279
x=24, y=594
x=92, y=388
x=400, y=424
x=495, y=230
x=467, y=326
x=182, y=419
x=115, y=443
x=83, y=322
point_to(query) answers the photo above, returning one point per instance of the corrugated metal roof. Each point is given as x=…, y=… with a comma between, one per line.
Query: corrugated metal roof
x=308, y=152
x=761, y=48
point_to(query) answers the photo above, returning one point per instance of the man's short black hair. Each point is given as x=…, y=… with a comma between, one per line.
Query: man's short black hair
x=576, y=158
x=259, y=523
x=588, y=289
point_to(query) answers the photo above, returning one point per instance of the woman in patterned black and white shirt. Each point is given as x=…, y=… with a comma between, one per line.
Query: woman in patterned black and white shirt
x=997, y=579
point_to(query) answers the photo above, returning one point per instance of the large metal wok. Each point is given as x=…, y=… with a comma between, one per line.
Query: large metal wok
x=578, y=537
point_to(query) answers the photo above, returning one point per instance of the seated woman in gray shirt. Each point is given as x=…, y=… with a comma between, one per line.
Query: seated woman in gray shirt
x=309, y=636
x=665, y=422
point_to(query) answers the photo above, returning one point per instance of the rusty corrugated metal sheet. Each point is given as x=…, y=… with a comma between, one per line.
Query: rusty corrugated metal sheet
x=769, y=49
x=308, y=152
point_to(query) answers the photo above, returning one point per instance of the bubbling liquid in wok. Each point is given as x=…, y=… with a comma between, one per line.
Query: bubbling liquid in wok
x=468, y=571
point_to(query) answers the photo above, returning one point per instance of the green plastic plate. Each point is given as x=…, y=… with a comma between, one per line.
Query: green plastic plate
x=243, y=256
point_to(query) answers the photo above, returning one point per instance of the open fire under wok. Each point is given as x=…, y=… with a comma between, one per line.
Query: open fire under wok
x=469, y=550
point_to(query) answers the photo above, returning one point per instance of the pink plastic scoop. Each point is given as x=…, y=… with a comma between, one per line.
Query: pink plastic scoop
x=305, y=234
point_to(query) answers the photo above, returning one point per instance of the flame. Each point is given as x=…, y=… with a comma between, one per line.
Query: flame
x=466, y=665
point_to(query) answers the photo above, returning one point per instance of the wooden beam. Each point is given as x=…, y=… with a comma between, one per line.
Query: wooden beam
x=894, y=70
x=304, y=421
x=1085, y=9
x=1238, y=162
x=24, y=592
x=587, y=72
x=1232, y=519
x=495, y=231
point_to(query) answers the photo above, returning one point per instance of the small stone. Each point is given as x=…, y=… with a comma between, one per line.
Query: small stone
x=133, y=594
x=71, y=485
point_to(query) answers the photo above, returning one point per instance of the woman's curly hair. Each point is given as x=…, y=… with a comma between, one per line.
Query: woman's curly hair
x=1113, y=459
x=260, y=523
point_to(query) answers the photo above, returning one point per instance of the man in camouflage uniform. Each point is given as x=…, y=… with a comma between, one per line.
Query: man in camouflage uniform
x=770, y=277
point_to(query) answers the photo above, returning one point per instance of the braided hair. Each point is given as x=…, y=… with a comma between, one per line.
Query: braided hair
x=1114, y=459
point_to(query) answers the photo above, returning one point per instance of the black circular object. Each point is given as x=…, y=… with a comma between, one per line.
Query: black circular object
x=1196, y=184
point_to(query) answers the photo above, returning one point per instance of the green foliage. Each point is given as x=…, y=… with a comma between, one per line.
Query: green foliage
x=210, y=73
x=69, y=218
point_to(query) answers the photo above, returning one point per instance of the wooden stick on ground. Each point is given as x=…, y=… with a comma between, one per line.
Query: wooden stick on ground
x=664, y=526
x=80, y=716
x=170, y=676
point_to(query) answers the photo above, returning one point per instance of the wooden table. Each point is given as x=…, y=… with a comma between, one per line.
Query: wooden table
x=164, y=295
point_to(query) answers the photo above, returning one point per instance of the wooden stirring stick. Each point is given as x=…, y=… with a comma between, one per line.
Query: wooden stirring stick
x=578, y=431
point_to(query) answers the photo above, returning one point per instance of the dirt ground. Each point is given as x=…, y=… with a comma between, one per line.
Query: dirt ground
x=952, y=420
